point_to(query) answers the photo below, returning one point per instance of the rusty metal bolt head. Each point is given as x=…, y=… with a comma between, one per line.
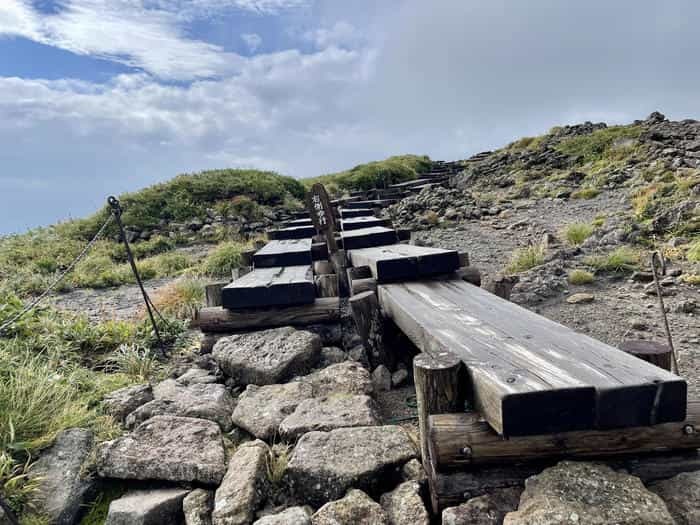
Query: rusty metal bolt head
x=466, y=451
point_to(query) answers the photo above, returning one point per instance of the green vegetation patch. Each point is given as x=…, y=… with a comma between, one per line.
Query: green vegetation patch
x=610, y=143
x=578, y=232
x=621, y=260
x=580, y=277
x=693, y=254
x=524, y=259
x=585, y=193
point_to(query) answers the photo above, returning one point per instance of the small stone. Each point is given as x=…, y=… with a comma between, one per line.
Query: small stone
x=348, y=377
x=639, y=324
x=580, y=298
x=667, y=281
x=642, y=277
x=147, y=507
x=331, y=355
x=356, y=508
x=674, y=272
x=489, y=509
x=124, y=401
x=414, y=471
x=244, y=487
x=290, y=516
x=198, y=506
x=405, y=505
x=197, y=376
x=685, y=307
x=381, y=379
x=682, y=496
x=398, y=377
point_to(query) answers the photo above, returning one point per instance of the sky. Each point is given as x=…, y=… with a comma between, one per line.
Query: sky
x=99, y=97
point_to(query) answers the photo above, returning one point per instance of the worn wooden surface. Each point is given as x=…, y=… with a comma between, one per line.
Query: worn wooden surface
x=363, y=285
x=531, y=375
x=377, y=203
x=298, y=222
x=264, y=287
x=462, y=439
x=289, y=252
x=326, y=285
x=357, y=212
x=368, y=237
x=295, y=232
x=653, y=352
x=319, y=251
x=404, y=261
x=221, y=320
x=357, y=223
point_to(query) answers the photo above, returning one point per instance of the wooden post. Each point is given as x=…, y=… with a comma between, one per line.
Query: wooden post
x=326, y=285
x=358, y=286
x=339, y=262
x=652, y=352
x=463, y=259
x=208, y=341
x=213, y=293
x=247, y=257
x=370, y=326
x=323, y=268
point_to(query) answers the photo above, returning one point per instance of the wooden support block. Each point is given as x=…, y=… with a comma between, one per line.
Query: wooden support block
x=359, y=212
x=319, y=251
x=207, y=342
x=358, y=286
x=463, y=439
x=658, y=354
x=370, y=326
x=266, y=287
x=400, y=262
x=297, y=232
x=326, y=285
x=404, y=234
x=358, y=223
x=247, y=257
x=339, y=262
x=323, y=268
x=289, y=252
x=213, y=293
x=368, y=237
x=217, y=319
x=463, y=259
x=359, y=272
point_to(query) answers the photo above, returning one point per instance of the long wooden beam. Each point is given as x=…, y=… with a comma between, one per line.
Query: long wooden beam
x=405, y=261
x=289, y=252
x=266, y=287
x=368, y=237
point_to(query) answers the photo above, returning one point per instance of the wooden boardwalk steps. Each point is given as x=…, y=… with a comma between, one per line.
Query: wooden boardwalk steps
x=368, y=237
x=298, y=222
x=267, y=287
x=294, y=232
x=346, y=213
x=530, y=375
x=405, y=261
x=357, y=223
x=378, y=203
x=289, y=252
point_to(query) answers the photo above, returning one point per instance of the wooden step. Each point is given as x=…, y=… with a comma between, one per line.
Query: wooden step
x=298, y=222
x=269, y=287
x=358, y=212
x=410, y=183
x=368, y=237
x=530, y=375
x=289, y=252
x=377, y=203
x=401, y=262
x=357, y=223
x=294, y=232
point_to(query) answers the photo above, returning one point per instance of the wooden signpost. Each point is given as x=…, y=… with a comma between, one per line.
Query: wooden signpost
x=321, y=211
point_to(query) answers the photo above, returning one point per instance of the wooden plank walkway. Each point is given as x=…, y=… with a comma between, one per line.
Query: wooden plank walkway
x=378, y=203
x=530, y=375
x=368, y=237
x=357, y=223
x=346, y=213
x=289, y=252
x=267, y=287
x=294, y=232
x=404, y=261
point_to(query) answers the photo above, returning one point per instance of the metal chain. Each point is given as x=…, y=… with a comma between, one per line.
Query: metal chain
x=60, y=278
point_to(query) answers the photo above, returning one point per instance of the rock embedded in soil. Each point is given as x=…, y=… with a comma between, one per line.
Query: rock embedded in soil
x=381, y=379
x=197, y=376
x=328, y=413
x=269, y=356
x=331, y=355
x=682, y=496
x=261, y=409
x=290, y=516
x=356, y=508
x=580, y=298
x=124, y=401
x=62, y=490
x=148, y=507
x=203, y=401
x=325, y=464
x=591, y=493
x=489, y=509
x=197, y=507
x=349, y=377
x=398, y=377
x=244, y=487
x=168, y=448
x=405, y=505
x=414, y=471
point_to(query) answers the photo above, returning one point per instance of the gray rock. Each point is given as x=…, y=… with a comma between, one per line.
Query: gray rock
x=414, y=471
x=398, y=377
x=197, y=376
x=356, y=508
x=381, y=379
x=290, y=516
x=261, y=409
x=244, y=487
x=197, y=507
x=269, y=356
x=404, y=505
x=148, y=507
x=328, y=413
x=62, y=490
x=166, y=448
x=591, y=493
x=685, y=307
x=348, y=377
x=124, y=401
x=325, y=464
x=489, y=509
x=203, y=401
x=682, y=496
x=331, y=355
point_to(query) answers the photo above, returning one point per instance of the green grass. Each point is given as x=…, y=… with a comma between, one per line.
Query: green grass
x=224, y=258
x=578, y=232
x=585, y=193
x=181, y=299
x=525, y=259
x=601, y=144
x=621, y=260
x=580, y=277
x=97, y=512
x=693, y=254
x=663, y=193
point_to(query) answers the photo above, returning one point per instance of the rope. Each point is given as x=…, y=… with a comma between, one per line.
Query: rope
x=656, y=256
x=60, y=278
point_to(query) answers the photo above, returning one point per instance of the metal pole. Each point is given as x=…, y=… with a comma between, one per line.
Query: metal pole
x=656, y=256
x=117, y=211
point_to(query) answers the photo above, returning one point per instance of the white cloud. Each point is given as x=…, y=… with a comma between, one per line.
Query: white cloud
x=252, y=40
x=341, y=34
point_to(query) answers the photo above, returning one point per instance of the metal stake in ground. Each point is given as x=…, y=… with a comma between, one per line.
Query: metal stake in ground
x=117, y=212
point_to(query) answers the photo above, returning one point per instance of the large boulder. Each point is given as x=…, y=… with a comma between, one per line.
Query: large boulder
x=62, y=490
x=261, y=409
x=404, y=505
x=325, y=464
x=244, y=487
x=348, y=377
x=166, y=448
x=198, y=506
x=574, y=493
x=148, y=507
x=290, y=516
x=356, y=508
x=199, y=400
x=268, y=356
x=124, y=401
x=489, y=509
x=328, y=413
x=682, y=496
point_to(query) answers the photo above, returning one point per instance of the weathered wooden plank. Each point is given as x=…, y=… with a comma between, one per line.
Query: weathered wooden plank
x=462, y=439
x=405, y=261
x=319, y=251
x=220, y=320
x=295, y=232
x=368, y=237
x=531, y=375
x=266, y=287
x=359, y=212
x=288, y=252
x=377, y=203
x=357, y=223
x=410, y=183
x=298, y=222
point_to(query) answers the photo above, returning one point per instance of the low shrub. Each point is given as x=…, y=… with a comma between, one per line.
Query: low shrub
x=693, y=254
x=526, y=258
x=585, y=193
x=223, y=259
x=580, y=277
x=181, y=299
x=621, y=260
x=578, y=232
x=602, y=143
